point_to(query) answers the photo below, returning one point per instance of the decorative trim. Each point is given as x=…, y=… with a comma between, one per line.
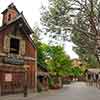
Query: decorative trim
x=29, y=58
x=18, y=56
x=10, y=65
x=16, y=37
x=3, y=54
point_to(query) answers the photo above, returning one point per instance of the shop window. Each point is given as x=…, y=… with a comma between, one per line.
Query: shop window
x=14, y=45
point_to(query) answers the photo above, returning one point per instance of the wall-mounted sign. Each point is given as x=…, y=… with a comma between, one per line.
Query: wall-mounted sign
x=8, y=77
x=13, y=60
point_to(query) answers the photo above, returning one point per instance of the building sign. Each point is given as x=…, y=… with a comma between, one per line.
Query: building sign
x=8, y=77
x=13, y=60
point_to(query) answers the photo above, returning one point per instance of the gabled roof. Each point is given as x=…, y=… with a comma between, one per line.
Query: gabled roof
x=22, y=22
x=19, y=16
x=10, y=6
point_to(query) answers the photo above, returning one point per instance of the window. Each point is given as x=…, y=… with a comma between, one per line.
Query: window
x=14, y=45
x=9, y=17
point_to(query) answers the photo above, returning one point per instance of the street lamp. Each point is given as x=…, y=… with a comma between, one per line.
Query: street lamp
x=25, y=84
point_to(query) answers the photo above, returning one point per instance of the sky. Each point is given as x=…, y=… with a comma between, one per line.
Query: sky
x=31, y=11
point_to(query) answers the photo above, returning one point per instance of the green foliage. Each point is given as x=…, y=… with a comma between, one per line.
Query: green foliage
x=58, y=62
x=50, y=82
x=76, y=71
x=54, y=59
x=41, y=54
x=79, y=19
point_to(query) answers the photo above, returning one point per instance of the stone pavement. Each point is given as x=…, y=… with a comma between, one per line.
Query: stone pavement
x=30, y=96
x=74, y=91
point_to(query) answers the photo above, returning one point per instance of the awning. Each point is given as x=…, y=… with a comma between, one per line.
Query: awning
x=94, y=70
x=43, y=74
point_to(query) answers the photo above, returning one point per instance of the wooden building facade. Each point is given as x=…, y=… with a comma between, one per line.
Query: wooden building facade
x=18, y=55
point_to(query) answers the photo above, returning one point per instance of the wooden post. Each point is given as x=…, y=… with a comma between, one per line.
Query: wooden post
x=35, y=71
x=25, y=84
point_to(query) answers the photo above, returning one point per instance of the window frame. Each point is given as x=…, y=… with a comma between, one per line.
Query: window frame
x=15, y=50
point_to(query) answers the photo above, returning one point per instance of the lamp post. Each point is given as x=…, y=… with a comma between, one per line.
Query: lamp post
x=25, y=84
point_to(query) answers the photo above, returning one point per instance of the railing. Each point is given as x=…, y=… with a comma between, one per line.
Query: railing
x=93, y=83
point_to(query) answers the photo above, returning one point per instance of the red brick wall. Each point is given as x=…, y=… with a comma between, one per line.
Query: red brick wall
x=30, y=50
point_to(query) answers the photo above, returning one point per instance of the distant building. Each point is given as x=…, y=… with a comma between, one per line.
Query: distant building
x=42, y=78
x=92, y=74
x=76, y=63
x=18, y=58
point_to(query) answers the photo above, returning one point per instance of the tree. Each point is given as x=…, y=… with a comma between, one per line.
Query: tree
x=87, y=58
x=78, y=18
x=41, y=47
x=41, y=54
x=76, y=71
x=58, y=62
x=36, y=35
x=54, y=59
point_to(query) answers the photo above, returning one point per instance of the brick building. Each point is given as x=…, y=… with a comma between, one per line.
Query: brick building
x=18, y=58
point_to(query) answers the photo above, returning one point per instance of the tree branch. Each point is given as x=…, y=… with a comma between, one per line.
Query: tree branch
x=88, y=34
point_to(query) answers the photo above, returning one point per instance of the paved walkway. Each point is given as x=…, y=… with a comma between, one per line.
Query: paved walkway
x=74, y=91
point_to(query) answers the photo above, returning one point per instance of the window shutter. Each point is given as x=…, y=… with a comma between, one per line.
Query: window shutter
x=6, y=44
x=22, y=47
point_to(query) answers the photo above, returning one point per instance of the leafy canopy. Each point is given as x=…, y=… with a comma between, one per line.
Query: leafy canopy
x=78, y=20
x=54, y=59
